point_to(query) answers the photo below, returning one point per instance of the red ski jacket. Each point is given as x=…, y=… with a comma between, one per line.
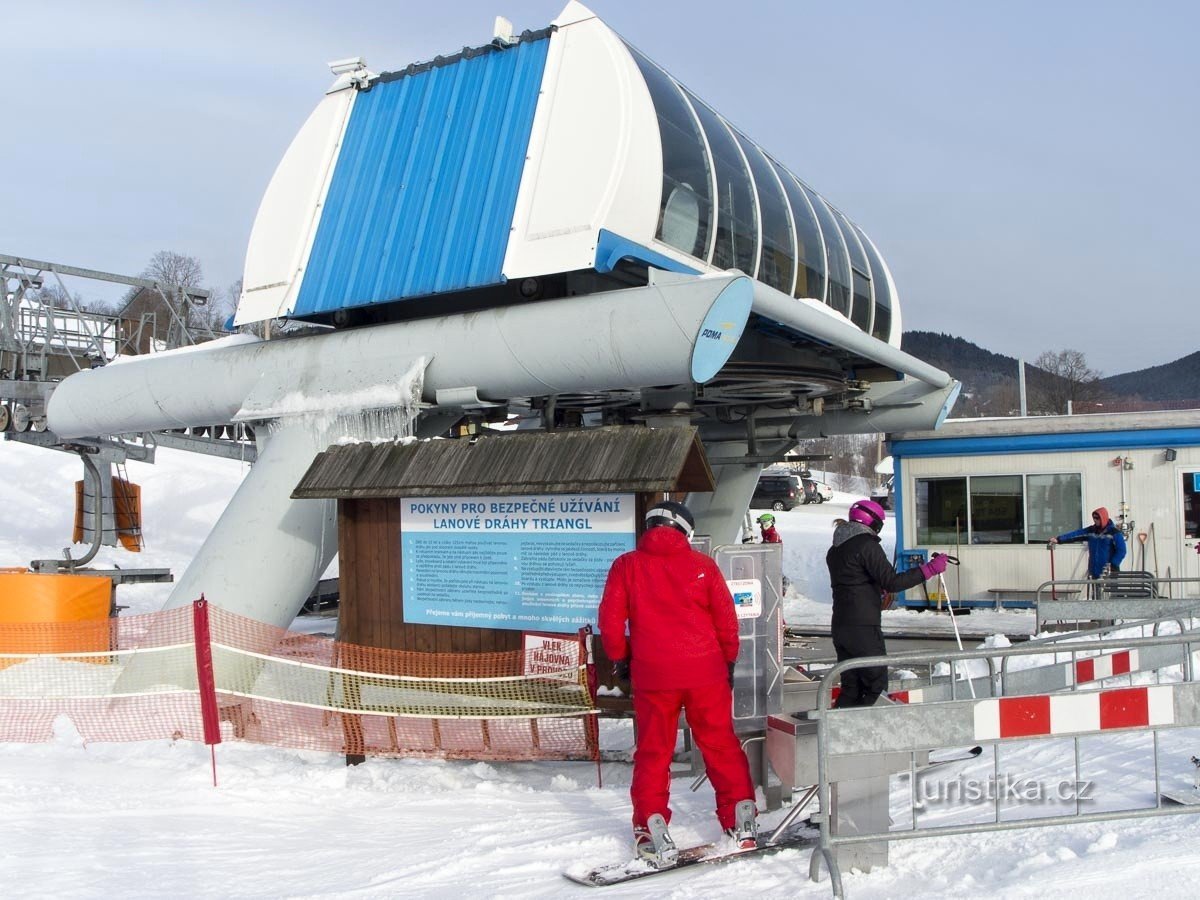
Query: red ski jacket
x=683, y=630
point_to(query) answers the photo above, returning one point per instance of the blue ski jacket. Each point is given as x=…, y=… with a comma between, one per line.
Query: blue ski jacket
x=1106, y=544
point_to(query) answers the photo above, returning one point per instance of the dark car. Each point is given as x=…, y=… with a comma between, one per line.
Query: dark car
x=778, y=492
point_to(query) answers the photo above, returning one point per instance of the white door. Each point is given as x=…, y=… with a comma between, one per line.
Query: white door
x=1189, y=566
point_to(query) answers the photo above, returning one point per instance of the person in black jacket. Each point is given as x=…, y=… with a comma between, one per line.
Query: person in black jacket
x=861, y=578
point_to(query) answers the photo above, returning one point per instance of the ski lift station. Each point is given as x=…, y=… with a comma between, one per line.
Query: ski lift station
x=549, y=226
x=993, y=491
x=550, y=233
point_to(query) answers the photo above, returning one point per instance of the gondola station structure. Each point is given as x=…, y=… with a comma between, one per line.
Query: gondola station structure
x=551, y=227
x=549, y=231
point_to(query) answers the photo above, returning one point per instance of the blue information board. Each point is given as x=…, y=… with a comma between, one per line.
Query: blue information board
x=530, y=563
x=1196, y=482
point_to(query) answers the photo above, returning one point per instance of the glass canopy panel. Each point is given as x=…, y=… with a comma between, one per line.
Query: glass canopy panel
x=860, y=271
x=685, y=212
x=736, y=246
x=810, y=252
x=835, y=253
x=881, y=327
x=776, y=263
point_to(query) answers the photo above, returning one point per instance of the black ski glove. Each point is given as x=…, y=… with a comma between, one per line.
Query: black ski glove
x=621, y=669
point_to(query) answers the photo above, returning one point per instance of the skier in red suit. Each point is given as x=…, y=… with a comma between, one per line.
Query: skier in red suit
x=679, y=654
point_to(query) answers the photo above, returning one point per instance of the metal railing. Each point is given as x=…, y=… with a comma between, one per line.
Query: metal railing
x=994, y=719
x=1105, y=602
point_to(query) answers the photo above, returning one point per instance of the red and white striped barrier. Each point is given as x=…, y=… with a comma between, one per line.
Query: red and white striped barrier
x=1099, y=667
x=1043, y=715
x=913, y=696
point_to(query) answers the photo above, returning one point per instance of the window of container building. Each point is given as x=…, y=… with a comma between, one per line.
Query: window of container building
x=881, y=326
x=941, y=510
x=810, y=251
x=736, y=246
x=997, y=509
x=1054, y=504
x=685, y=214
x=776, y=267
x=835, y=254
x=860, y=273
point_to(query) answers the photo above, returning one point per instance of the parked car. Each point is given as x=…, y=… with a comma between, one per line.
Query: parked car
x=817, y=491
x=777, y=492
x=883, y=494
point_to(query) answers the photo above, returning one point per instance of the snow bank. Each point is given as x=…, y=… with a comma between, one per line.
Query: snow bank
x=144, y=821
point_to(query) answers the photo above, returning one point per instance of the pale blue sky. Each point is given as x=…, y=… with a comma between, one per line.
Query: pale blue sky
x=1027, y=168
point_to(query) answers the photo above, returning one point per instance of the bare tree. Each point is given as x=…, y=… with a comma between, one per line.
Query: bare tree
x=853, y=458
x=1068, y=379
x=170, y=267
x=201, y=320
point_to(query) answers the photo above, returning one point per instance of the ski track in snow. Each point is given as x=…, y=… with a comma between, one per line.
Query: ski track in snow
x=143, y=820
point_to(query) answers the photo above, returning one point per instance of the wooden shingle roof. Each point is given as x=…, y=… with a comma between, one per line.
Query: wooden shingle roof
x=618, y=459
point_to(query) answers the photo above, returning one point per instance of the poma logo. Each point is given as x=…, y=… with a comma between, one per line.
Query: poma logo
x=711, y=333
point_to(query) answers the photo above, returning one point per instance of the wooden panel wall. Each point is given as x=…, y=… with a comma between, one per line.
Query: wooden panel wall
x=371, y=612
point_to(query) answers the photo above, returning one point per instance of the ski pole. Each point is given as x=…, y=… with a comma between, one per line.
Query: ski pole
x=953, y=621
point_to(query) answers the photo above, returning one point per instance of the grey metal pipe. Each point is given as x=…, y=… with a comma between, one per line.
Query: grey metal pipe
x=266, y=552
x=91, y=471
x=97, y=513
x=671, y=333
x=836, y=330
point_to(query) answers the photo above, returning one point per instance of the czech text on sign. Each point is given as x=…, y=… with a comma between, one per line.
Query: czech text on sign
x=552, y=655
x=747, y=597
x=522, y=563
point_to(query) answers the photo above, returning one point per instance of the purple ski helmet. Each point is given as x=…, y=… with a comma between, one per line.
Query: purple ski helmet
x=869, y=513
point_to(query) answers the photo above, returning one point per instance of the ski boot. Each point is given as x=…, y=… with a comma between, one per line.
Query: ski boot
x=744, y=832
x=654, y=845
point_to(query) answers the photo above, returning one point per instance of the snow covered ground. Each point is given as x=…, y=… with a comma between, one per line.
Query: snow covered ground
x=143, y=820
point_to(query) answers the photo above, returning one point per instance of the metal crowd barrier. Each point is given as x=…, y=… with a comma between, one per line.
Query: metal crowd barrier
x=1105, y=601
x=864, y=743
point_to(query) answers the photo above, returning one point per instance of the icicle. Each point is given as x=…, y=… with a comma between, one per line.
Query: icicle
x=379, y=414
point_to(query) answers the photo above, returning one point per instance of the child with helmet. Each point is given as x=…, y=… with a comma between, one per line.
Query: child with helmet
x=766, y=524
x=861, y=577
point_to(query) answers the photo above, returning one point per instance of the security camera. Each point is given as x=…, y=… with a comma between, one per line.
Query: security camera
x=348, y=65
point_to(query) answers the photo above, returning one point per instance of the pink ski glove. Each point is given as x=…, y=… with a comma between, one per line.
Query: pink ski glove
x=935, y=566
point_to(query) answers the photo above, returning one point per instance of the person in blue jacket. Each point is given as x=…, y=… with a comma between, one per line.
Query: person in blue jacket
x=1106, y=544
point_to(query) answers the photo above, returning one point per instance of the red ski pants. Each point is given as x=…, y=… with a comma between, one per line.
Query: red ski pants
x=710, y=716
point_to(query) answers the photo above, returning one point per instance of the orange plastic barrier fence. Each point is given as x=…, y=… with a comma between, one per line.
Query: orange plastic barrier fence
x=295, y=690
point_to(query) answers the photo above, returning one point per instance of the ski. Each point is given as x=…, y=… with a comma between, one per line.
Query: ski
x=700, y=855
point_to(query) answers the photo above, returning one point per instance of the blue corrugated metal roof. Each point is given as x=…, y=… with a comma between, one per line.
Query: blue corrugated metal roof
x=422, y=197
